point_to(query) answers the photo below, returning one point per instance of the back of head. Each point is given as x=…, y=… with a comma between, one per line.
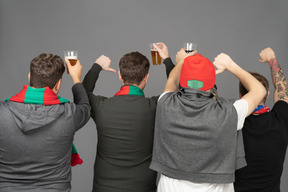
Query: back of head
x=260, y=78
x=197, y=72
x=46, y=70
x=133, y=67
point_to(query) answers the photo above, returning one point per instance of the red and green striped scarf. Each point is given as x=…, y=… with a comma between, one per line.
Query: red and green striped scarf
x=130, y=90
x=44, y=96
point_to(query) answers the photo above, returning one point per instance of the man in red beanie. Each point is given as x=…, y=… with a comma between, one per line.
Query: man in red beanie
x=197, y=142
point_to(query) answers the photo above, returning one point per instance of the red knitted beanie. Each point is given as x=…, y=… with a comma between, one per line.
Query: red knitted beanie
x=197, y=72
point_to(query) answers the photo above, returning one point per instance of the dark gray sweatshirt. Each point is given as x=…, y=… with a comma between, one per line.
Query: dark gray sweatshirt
x=36, y=143
x=196, y=138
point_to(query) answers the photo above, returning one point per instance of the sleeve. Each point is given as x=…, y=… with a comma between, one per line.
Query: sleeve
x=156, y=99
x=89, y=82
x=281, y=108
x=82, y=111
x=169, y=65
x=164, y=93
x=241, y=107
x=91, y=77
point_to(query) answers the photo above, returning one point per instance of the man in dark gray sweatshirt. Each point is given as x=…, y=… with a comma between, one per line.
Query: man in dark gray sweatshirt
x=37, y=129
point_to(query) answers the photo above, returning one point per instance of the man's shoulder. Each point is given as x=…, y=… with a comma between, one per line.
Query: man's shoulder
x=226, y=101
x=9, y=104
x=281, y=105
x=4, y=106
x=122, y=98
x=280, y=108
x=3, y=103
x=132, y=98
x=55, y=108
x=166, y=95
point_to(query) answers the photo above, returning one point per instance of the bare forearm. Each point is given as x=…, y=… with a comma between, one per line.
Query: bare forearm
x=248, y=81
x=279, y=81
x=256, y=91
x=76, y=80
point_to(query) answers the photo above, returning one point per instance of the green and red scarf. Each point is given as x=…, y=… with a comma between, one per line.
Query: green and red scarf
x=260, y=109
x=130, y=90
x=44, y=96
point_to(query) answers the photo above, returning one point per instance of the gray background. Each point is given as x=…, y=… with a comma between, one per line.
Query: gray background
x=238, y=28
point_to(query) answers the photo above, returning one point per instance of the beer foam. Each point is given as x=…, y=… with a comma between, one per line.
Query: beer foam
x=71, y=57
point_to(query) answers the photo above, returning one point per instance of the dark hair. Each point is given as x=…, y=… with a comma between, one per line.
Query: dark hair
x=260, y=78
x=133, y=67
x=46, y=70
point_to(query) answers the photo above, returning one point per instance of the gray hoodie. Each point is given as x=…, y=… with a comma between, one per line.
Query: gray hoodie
x=36, y=143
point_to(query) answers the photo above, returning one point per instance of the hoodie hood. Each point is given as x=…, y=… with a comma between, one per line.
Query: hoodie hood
x=34, y=108
x=30, y=117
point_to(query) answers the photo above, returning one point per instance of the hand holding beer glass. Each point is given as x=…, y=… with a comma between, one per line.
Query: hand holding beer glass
x=156, y=59
x=189, y=47
x=72, y=56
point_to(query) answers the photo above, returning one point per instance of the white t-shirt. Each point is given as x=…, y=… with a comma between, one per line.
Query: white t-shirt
x=167, y=184
x=241, y=107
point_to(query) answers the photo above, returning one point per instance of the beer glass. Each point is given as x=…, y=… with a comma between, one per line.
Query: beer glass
x=156, y=59
x=189, y=47
x=72, y=56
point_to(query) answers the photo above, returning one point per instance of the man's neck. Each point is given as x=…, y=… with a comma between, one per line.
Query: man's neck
x=262, y=103
x=54, y=90
x=139, y=86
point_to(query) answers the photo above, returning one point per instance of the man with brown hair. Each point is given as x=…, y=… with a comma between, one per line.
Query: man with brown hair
x=265, y=134
x=125, y=125
x=37, y=129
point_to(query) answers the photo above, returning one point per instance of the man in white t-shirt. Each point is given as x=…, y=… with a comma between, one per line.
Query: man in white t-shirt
x=197, y=145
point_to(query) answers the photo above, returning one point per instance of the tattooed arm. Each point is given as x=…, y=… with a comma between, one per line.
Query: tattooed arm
x=278, y=77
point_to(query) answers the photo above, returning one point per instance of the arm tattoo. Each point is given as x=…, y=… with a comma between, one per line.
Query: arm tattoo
x=279, y=87
x=279, y=80
x=274, y=69
x=281, y=96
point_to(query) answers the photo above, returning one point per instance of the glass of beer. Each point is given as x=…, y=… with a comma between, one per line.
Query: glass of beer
x=72, y=56
x=156, y=59
x=189, y=47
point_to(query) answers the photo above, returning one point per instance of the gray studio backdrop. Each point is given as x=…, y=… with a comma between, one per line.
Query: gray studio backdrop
x=113, y=28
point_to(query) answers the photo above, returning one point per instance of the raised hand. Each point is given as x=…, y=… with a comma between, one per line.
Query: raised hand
x=75, y=71
x=266, y=55
x=105, y=63
x=181, y=55
x=222, y=62
x=162, y=50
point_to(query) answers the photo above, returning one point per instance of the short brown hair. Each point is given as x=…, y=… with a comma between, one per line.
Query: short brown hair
x=46, y=70
x=133, y=67
x=260, y=78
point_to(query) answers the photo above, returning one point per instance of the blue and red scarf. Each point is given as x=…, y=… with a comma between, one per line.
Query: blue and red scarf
x=44, y=96
x=260, y=109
